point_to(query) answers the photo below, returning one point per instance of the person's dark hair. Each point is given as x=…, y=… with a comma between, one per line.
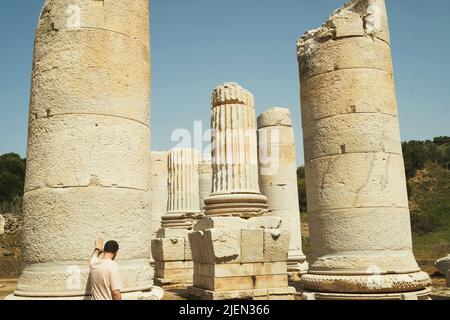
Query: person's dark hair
x=111, y=247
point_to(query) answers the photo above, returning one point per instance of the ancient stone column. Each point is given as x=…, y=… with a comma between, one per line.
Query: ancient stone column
x=238, y=252
x=88, y=146
x=159, y=176
x=278, y=179
x=183, y=204
x=205, y=181
x=357, y=200
x=235, y=190
x=171, y=250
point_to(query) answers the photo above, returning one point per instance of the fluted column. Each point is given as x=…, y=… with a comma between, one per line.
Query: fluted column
x=88, y=146
x=357, y=200
x=235, y=189
x=278, y=179
x=183, y=204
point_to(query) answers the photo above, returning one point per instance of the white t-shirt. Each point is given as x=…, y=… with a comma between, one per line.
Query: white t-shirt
x=105, y=278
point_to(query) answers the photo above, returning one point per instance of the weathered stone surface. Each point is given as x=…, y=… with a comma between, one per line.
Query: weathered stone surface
x=278, y=179
x=443, y=264
x=221, y=222
x=235, y=186
x=265, y=222
x=276, y=245
x=2, y=225
x=172, y=233
x=229, y=247
x=240, y=269
x=122, y=211
x=352, y=133
x=164, y=249
x=183, y=205
x=346, y=92
x=241, y=283
x=226, y=244
x=159, y=176
x=89, y=146
x=205, y=180
x=285, y=293
x=356, y=187
x=183, y=209
x=84, y=150
x=252, y=245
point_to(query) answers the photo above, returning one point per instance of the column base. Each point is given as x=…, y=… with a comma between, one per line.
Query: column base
x=286, y=293
x=71, y=279
x=244, y=205
x=416, y=295
x=155, y=293
x=366, y=284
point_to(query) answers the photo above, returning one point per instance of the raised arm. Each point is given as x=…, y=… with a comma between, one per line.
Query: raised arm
x=99, y=243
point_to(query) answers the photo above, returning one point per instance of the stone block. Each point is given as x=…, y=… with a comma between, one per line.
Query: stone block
x=226, y=244
x=347, y=24
x=356, y=180
x=240, y=283
x=252, y=245
x=443, y=265
x=172, y=233
x=220, y=223
x=187, y=249
x=168, y=249
x=275, y=117
x=265, y=222
x=173, y=265
x=276, y=245
x=267, y=268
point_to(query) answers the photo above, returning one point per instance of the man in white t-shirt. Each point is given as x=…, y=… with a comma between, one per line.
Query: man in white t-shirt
x=105, y=278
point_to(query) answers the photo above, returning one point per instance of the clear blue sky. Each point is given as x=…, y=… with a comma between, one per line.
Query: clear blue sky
x=198, y=44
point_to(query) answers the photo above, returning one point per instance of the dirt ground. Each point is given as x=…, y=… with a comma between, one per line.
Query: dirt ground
x=7, y=287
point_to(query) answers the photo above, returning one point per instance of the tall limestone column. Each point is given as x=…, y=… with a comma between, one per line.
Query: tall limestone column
x=278, y=179
x=238, y=251
x=357, y=200
x=88, y=146
x=171, y=249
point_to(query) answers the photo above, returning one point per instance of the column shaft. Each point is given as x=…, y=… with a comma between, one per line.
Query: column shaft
x=88, y=147
x=357, y=200
x=234, y=156
x=278, y=179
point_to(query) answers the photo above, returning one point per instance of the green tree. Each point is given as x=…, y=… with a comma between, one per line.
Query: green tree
x=12, y=177
x=302, y=189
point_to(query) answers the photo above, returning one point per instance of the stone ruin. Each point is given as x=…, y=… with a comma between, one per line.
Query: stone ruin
x=278, y=180
x=171, y=249
x=238, y=251
x=228, y=228
x=88, y=153
x=360, y=233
